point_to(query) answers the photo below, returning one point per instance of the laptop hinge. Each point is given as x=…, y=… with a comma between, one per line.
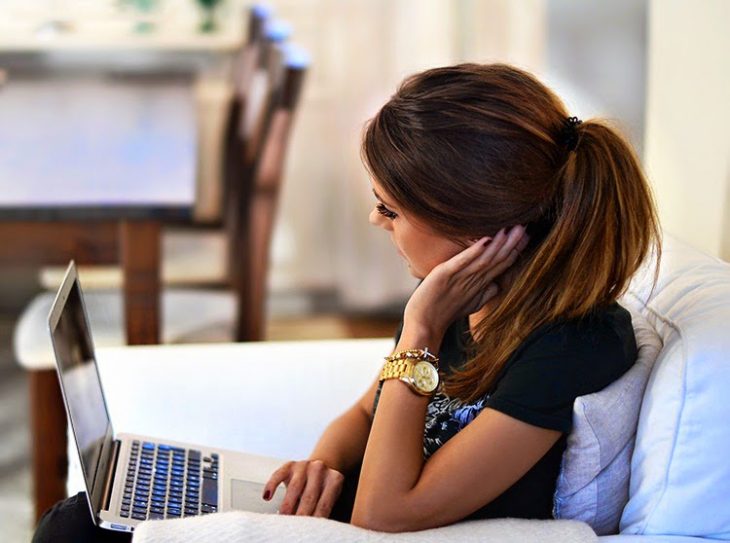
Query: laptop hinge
x=106, y=496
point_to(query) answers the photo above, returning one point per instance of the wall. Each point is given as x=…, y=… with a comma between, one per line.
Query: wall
x=687, y=141
x=361, y=50
x=596, y=60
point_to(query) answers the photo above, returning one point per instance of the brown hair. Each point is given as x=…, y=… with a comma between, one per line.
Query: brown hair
x=472, y=149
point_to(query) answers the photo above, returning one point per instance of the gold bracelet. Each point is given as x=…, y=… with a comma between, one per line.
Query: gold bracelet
x=414, y=354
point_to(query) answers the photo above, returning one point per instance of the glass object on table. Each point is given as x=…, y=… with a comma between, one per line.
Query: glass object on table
x=208, y=23
x=146, y=14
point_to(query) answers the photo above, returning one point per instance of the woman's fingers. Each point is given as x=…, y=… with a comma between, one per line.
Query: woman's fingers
x=311, y=488
x=500, y=250
x=516, y=235
x=294, y=489
x=330, y=493
x=468, y=255
x=316, y=473
x=281, y=475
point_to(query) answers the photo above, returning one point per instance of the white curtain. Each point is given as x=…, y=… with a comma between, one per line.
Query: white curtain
x=361, y=50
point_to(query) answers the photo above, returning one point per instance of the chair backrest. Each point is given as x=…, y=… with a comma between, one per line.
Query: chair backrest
x=244, y=69
x=265, y=79
x=250, y=254
x=250, y=115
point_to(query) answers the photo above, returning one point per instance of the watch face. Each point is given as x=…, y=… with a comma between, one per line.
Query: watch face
x=425, y=377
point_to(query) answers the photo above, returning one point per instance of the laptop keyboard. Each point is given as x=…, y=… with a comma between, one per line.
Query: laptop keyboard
x=163, y=481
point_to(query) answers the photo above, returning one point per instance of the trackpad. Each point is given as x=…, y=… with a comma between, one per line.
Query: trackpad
x=246, y=496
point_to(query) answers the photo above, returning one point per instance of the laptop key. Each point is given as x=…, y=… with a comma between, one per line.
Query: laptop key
x=210, y=492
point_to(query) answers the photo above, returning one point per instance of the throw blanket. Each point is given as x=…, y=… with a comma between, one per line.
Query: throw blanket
x=241, y=526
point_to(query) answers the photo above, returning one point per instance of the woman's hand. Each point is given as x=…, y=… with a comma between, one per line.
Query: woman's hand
x=464, y=283
x=312, y=488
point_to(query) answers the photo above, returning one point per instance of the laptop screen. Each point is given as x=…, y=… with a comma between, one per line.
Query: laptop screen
x=79, y=378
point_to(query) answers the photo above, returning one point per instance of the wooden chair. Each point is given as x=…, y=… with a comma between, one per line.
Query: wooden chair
x=253, y=237
x=194, y=315
x=200, y=314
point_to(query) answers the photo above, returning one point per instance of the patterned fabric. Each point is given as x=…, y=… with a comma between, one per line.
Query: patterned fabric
x=444, y=418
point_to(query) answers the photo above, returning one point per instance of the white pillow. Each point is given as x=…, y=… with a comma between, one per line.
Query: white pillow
x=680, y=471
x=593, y=484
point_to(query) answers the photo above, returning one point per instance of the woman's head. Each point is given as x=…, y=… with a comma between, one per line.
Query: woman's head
x=470, y=149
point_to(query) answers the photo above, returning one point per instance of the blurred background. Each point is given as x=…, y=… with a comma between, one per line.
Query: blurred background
x=161, y=70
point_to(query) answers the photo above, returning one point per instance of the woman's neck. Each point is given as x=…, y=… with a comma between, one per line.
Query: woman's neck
x=504, y=282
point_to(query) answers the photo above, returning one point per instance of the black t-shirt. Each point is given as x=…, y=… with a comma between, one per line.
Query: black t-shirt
x=554, y=365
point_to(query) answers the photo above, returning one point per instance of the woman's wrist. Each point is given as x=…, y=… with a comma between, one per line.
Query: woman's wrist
x=420, y=337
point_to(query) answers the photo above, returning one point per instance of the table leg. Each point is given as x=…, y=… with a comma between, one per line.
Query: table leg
x=140, y=256
x=49, y=441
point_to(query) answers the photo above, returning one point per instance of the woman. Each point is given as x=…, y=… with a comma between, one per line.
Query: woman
x=525, y=225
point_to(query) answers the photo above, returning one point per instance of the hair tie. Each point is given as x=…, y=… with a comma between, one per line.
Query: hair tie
x=569, y=133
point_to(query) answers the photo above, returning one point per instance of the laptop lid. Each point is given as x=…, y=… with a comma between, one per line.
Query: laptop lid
x=81, y=386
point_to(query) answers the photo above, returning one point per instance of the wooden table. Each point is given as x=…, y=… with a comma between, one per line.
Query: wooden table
x=89, y=169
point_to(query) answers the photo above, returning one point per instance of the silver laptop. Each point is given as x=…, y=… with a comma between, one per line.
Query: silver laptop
x=130, y=478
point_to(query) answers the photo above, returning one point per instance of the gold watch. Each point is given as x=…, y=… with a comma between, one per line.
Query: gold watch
x=416, y=368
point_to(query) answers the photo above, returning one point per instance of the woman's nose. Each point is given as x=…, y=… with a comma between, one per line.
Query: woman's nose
x=374, y=217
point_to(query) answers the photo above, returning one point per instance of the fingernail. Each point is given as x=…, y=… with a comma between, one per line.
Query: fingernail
x=267, y=495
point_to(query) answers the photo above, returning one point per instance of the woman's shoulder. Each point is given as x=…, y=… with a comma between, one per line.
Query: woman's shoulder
x=561, y=361
x=603, y=327
x=588, y=353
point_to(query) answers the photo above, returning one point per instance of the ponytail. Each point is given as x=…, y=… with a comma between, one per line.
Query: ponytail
x=603, y=224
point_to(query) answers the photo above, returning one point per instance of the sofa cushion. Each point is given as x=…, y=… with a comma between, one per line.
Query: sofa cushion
x=593, y=484
x=680, y=475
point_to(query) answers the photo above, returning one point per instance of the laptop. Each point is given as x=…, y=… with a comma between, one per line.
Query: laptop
x=131, y=478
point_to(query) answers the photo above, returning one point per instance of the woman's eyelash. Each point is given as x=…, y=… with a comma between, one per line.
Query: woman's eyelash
x=385, y=212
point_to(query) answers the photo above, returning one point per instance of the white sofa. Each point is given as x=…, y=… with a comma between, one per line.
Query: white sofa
x=680, y=472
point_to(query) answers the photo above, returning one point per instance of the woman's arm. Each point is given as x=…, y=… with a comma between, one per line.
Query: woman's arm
x=397, y=492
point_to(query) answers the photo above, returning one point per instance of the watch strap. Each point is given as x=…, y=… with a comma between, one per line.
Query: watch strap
x=395, y=369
